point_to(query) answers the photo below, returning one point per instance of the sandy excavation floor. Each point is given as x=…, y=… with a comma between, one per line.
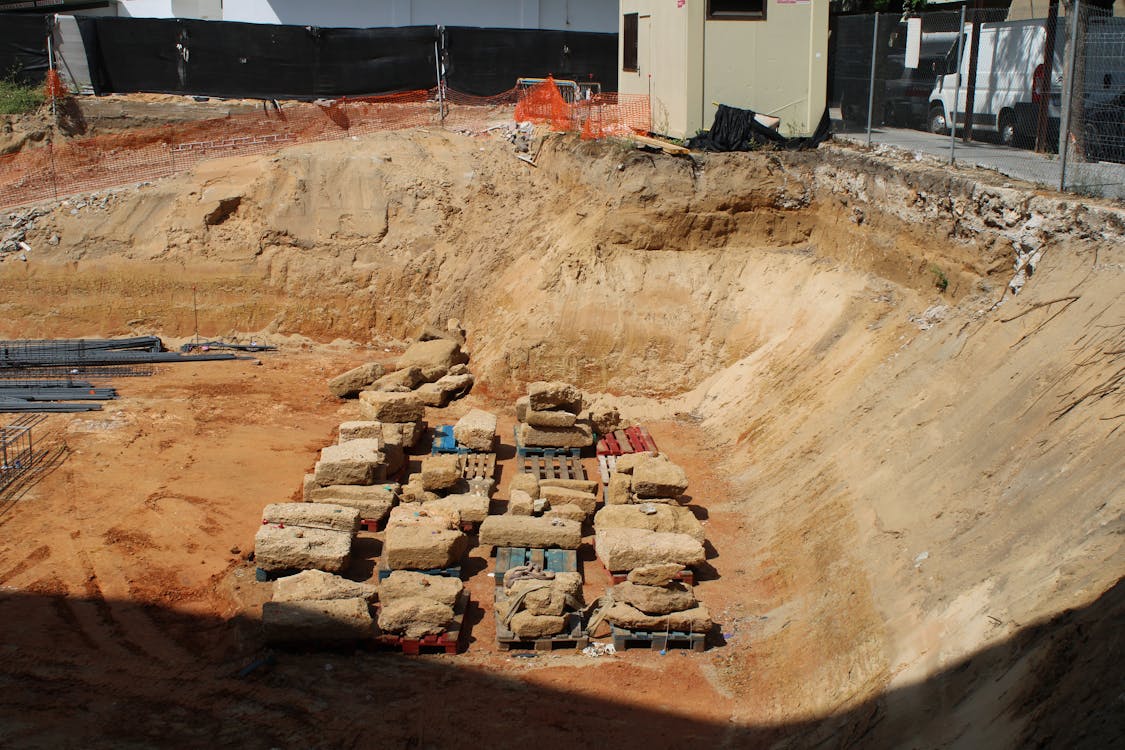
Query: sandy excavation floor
x=910, y=476
x=130, y=560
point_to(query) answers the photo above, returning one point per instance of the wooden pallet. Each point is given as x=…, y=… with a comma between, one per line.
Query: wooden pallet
x=554, y=560
x=444, y=442
x=370, y=524
x=635, y=439
x=624, y=638
x=534, y=450
x=607, y=464
x=573, y=635
x=551, y=467
x=450, y=640
x=478, y=465
x=453, y=571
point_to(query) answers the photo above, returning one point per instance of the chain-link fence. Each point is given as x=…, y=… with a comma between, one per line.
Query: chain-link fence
x=978, y=87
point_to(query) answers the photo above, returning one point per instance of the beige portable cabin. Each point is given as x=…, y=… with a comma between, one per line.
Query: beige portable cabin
x=770, y=56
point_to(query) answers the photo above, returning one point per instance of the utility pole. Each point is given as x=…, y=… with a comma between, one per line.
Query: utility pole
x=971, y=91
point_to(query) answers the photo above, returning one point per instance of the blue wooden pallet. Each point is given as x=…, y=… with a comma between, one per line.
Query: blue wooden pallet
x=555, y=560
x=453, y=571
x=624, y=638
x=533, y=450
x=444, y=442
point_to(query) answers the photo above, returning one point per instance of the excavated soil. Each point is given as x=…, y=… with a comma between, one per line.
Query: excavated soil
x=910, y=475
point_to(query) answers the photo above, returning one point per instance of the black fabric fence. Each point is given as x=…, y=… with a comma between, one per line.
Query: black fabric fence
x=23, y=48
x=485, y=62
x=265, y=61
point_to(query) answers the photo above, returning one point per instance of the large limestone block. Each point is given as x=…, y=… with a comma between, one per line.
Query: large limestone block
x=316, y=584
x=578, y=436
x=382, y=406
x=543, y=600
x=654, y=517
x=476, y=430
x=415, y=514
x=528, y=625
x=603, y=414
x=583, y=485
x=659, y=479
x=353, y=462
x=654, y=575
x=655, y=600
x=312, y=516
x=415, y=617
x=414, y=492
x=619, y=491
x=299, y=548
x=316, y=620
x=626, y=463
x=550, y=418
x=441, y=471
x=402, y=434
x=423, y=548
x=481, y=486
x=404, y=584
x=528, y=483
x=360, y=430
x=373, y=501
x=522, y=405
x=350, y=383
x=431, y=395
x=567, y=584
x=625, y=549
x=470, y=508
x=695, y=620
x=433, y=357
x=455, y=386
x=520, y=503
x=558, y=496
x=568, y=510
x=528, y=531
x=406, y=379
x=547, y=396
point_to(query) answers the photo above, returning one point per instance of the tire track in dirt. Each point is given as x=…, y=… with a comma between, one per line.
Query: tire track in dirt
x=38, y=555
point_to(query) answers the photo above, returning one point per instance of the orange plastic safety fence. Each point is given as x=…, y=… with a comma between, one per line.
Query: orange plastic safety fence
x=53, y=87
x=114, y=160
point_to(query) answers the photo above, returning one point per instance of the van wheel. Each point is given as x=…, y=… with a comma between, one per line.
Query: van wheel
x=1006, y=125
x=937, y=121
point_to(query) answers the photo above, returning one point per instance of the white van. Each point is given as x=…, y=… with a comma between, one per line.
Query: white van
x=1009, y=65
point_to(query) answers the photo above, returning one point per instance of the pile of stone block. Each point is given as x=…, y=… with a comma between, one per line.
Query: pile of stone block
x=539, y=606
x=576, y=499
x=314, y=606
x=646, y=478
x=414, y=605
x=355, y=472
x=651, y=600
x=305, y=536
x=399, y=416
x=435, y=368
x=549, y=417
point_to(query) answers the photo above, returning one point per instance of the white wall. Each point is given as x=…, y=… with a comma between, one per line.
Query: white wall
x=567, y=15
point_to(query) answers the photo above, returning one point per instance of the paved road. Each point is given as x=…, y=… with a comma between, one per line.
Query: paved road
x=1100, y=178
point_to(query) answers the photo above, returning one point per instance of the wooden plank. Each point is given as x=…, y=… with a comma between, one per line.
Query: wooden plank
x=603, y=469
x=665, y=146
x=622, y=441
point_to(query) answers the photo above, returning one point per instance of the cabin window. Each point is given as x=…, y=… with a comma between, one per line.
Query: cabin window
x=736, y=10
x=629, y=37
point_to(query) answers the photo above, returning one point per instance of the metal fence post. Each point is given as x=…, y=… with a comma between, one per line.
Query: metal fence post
x=871, y=87
x=1068, y=92
x=957, y=89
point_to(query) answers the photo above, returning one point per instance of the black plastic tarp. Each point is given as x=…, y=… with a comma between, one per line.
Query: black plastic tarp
x=215, y=58
x=23, y=47
x=485, y=62
x=736, y=129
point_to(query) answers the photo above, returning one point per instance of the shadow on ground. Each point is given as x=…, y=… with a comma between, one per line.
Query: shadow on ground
x=92, y=673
